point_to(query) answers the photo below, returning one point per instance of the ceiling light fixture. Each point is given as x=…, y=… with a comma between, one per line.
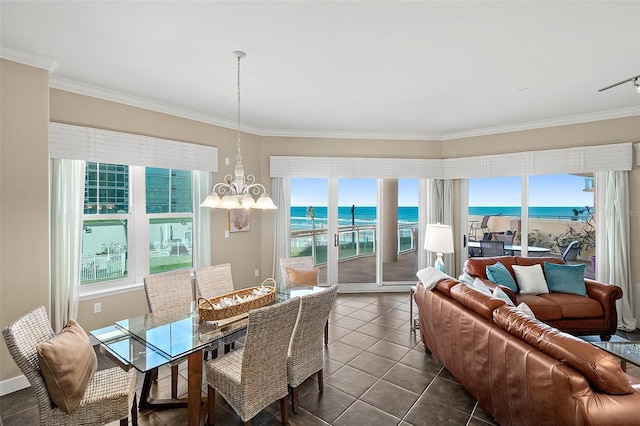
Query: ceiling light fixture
x=237, y=191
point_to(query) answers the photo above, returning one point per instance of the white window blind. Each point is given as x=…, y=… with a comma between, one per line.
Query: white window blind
x=105, y=146
x=566, y=160
x=348, y=167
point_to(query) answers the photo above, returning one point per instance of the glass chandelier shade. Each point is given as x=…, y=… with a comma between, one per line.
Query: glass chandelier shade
x=237, y=191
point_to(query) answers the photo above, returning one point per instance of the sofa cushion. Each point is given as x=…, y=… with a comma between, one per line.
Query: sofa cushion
x=525, y=309
x=499, y=274
x=545, y=309
x=600, y=368
x=498, y=293
x=565, y=278
x=478, y=285
x=480, y=303
x=574, y=306
x=477, y=266
x=67, y=362
x=528, y=261
x=530, y=279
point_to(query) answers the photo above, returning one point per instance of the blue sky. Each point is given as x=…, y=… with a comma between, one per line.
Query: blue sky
x=544, y=190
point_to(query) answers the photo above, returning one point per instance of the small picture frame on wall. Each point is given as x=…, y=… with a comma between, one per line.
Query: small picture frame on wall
x=239, y=220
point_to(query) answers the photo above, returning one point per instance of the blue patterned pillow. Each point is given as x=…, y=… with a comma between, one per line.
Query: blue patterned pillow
x=499, y=274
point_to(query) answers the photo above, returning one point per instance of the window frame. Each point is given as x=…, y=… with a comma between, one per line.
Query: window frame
x=138, y=262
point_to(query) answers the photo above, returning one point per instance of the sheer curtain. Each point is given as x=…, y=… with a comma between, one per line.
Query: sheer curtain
x=618, y=244
x=200, y=187
x=67, y=209
x=440, y=210
x=280, y=189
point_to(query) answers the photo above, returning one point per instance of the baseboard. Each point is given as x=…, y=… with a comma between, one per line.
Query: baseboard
x=12, y=385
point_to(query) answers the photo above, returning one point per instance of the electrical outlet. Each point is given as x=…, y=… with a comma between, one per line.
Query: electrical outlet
x=226, y=161
x=257, y=272
x=97, y=308
x=226, y=234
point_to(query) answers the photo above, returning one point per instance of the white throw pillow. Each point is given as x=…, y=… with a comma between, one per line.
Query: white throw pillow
x=530, y=279
x=478, y=285
x=500, y=294
x=525, y=309
x=466, y=278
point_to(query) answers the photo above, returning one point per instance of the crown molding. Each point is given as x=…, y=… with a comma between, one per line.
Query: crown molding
x=123, y=98
x=554, y=122
x=140, y=102
x=26, y=57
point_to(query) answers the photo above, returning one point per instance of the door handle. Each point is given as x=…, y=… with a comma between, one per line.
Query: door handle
x=335, y=240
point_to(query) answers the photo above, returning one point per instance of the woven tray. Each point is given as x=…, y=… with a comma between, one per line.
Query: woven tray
x=208, y=313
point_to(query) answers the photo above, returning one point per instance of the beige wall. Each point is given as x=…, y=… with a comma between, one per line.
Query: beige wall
x=24, y=280
x=24, y=196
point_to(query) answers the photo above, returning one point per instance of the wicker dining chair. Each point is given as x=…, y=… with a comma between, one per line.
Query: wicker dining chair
x=302, y=263
x=253, y=377
x=306, y=356
x=167, y=290
x=212, y=281
x=110, y=396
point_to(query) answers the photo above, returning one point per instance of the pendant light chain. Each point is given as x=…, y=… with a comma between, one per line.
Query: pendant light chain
x=239, y=155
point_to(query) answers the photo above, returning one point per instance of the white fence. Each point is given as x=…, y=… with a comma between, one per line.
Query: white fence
x=103, y=266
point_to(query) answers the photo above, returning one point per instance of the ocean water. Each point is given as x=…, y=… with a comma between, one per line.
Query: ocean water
x=367, y=215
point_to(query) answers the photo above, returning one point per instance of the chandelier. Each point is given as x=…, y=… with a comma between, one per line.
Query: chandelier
x=237, y=191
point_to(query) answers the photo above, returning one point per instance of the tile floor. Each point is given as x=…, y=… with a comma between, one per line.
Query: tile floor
x=376, y=371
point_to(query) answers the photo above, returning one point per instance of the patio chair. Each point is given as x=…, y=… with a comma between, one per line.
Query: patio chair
x=481, y=226
x=166, y=290
x=306, y=356
x=253, y=377
x=110, y=395
x=570, y=247
x=491, y=248
x=212, y=281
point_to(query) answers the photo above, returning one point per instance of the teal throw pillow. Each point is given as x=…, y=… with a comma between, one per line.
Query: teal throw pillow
x=499, y=274
x=565, y=278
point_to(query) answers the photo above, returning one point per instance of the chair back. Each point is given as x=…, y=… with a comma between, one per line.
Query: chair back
x=213, y=280
x=507, y=239
x=264, y=362
x=306, y=347
x=168, y=289
x=303, y=263
x=568, y=249
x=485, y=222
x=22, y=336
x=491, y=248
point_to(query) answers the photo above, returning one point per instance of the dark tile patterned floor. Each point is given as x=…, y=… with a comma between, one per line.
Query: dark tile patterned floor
x=376, y=371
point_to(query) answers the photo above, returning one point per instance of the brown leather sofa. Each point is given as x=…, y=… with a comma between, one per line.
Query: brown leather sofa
x=521, y=370
x=578, y=315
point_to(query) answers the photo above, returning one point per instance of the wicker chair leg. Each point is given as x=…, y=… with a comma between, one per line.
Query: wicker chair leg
x=320, y=381
x=326, y=333
x=134, y=411
x=211, y=405
x=124, y=422
x=283, y=410
x=294, y=400
x=174, y=381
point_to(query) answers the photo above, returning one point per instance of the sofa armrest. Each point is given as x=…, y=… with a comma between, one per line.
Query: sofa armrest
x=606, y=294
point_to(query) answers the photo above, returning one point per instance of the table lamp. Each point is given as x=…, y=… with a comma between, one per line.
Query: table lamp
x=439, y=239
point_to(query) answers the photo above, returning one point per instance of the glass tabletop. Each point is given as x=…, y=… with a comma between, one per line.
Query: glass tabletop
x=626, y=351
x=158, y=338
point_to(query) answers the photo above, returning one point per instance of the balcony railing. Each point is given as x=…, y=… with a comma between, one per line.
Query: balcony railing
x=352, y=241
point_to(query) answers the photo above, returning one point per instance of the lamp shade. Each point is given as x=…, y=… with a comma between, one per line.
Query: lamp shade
x=439, y=238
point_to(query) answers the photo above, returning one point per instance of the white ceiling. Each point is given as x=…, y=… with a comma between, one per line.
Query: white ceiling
x=415, y=70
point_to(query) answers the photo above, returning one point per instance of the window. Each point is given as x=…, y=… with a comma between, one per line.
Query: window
x=127, y=237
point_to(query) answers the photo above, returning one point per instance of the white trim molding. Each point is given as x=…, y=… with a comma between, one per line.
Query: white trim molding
x=26, y=57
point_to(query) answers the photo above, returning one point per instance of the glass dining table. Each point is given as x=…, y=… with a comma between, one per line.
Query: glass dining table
x=149, y=341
